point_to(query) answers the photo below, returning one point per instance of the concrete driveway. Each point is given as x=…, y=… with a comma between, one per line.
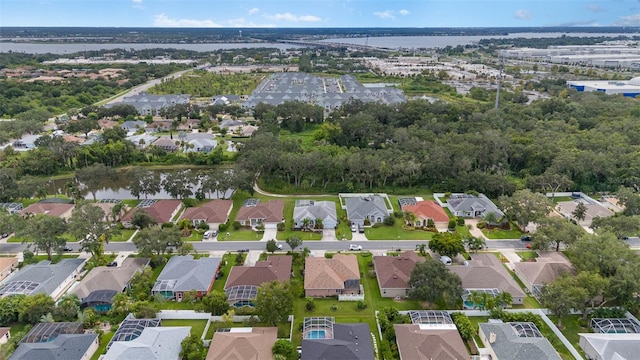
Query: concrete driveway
x=329, y=235
x=356, y=236
x=474, y=229
x=269, y=234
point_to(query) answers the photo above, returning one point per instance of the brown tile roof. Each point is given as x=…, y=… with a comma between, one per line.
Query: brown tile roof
x=107, y=124
x=254, y=345
x=6, y=262
x=274, y=268
x=393, y=272
x=485, y=271
x=166, y=142
x=427, y=209
x=53, y=209
x=429, y=344
x=271, y=211
x=323, y=273
x=4, y=331
x=215, y=211
x=160, y=211
x=547, y=267
x=109, y=278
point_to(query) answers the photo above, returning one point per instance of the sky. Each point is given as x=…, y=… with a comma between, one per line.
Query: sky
x=319, y=13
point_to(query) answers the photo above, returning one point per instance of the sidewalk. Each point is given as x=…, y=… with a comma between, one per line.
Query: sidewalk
x=510, y=254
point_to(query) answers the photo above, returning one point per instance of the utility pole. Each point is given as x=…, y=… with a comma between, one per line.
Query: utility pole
x=501, y=61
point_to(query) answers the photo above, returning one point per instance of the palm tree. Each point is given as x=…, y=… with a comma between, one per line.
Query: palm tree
x=48, y=318
x=409, y=218
x=475, y=243
x=116, y=211
x=319, y=224
x=306, y=222
x=422, y=249
x=490, y=218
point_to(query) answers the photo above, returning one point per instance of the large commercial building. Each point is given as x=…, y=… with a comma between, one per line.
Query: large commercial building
x=630, y=88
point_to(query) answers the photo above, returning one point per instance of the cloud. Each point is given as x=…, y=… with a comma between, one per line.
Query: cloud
x=254, y=11
x=137, y=4
x=243, y=23
x=522, y=14
x=404, y=12
x=631, y=20
x=293, y=18
x=387, y=14
x=164, y=21
x=595, y=8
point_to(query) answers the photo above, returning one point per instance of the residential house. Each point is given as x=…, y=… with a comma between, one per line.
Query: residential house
x=43, y=277
x=132, y=126
x=225, y=99
x=201, y=145
x=212, y=213
x=97, y=288
x=547, y=267
x=393, y=273
x=594, y=209
x=472, y=206
x=166, y=144
x=253, y=213
x=243, y=281
x=515, y=341
x=242, y=130
x=7, y=266
x=142, y=141
x=107, y=124
x=188, y=125
x=610, y=346
x=158, y=126
x=62, y=210
x=243, y=344
x=57, y=341
x=310, y=210
x=12, y=208
x=107, y=209
x=5, y=335
x=331, y=277
x=27, y=142
x=323, y=339
x=184, y=274
x=153, y=343
x=161, y=211
x=425, y=210
x=230, y=123
x=371, y=208
x=148, y=104
x=486, y=273
x=432, y=335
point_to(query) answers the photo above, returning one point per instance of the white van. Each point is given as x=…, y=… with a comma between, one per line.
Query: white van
x=445, y=260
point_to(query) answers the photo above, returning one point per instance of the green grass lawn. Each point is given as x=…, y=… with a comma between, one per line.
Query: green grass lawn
x=475, y=320
x=527, y=255
x=104, y=341
x=514, y=233
x=55, y=258
x=305, y=137
x=558, y=199
x=571, y=329
x=197, y=326
x=229, y=260
x=125, y=234
x=396, y=232
x=195, y=236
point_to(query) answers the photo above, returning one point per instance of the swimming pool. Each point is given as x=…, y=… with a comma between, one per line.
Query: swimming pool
x=316, y=334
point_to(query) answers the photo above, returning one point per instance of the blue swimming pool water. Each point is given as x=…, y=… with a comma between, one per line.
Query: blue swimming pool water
x=316, y=334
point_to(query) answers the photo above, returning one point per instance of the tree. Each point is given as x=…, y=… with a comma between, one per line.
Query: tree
x=33, y=307
x=594, y=284
x=525, y=207
x=141, y=284
x=141, y=219
x=93, y=177
x=422, y=249
x=294, y=242
x=630, y=200
x=8, y=184
x=142, y=182
x=580, y=212
x=561, y=296
x=178, y=184
x=272, y=246
x=216, y=303
x=601, y=253
x=87, y=225
x=155, y=240
x=446, y=244
x=120, y=305
x=620, y=225
x=274, y=302
x=475, y=243
x=45, y=233
x=432, y=281
x=67, y=308
x=286, y=349
x=192, y=348
x=555, y=231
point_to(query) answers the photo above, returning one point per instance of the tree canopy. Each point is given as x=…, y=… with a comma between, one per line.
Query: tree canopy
x=274, y=302
x=432, y=281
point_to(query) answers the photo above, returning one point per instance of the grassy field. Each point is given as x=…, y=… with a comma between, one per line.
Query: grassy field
x=125, y=234
x=197, y=326
x=104, y=341
x=527, y=255
x=514, y=233
x=571, y=328
x=396, y=232
x=228, y=260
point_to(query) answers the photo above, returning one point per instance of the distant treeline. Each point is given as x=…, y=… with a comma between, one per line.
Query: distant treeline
x=543, y=43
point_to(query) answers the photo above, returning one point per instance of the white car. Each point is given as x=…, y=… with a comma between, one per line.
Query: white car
x=354, y=247
x=279, y=246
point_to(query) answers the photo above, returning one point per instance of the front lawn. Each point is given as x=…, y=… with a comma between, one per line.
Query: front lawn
x=513, y=233
x=228, y=260
x=396, y=232
x=197, y=326
x=527, y=255
x=242, y=234
x=125, y=235
x=571, y=329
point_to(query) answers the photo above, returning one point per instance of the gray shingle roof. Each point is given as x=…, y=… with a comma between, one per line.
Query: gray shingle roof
x=47, y=276
x=471, y=203
x=190, y=274
x=350, y=341
x=325, y=210
x=508, y=345
x=64, y=347
x=359, y=208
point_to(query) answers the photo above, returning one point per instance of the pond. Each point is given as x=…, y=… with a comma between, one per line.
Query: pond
x=119, y=189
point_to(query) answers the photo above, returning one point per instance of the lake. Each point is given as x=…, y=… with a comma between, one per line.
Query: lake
x=70, y=48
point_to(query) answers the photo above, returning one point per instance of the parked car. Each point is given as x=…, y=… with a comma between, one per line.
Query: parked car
x=446, y=260
x=66, y=248
x=354, y=228
x=112, y=264
x=5, y=235
x=354, y=247
x=525, y=238
x=361, y=229
x=279, y=246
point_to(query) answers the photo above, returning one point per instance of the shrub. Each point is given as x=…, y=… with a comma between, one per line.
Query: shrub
x=362, y=304
x=334, y=307
x=481, y=225
x=310, y=305
x=460, y=222
x=367, y=222
x=464, y=325
x=389, y=220
x=223, y=227
x=236, y=225
x=286, y=349
x=328, y=255
x=398, y=214
x=376, y=225
x=190, y=202
x=203, y=226
x=280, y=226
x=452, y=224
x=430, y=223
x=167, y=225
